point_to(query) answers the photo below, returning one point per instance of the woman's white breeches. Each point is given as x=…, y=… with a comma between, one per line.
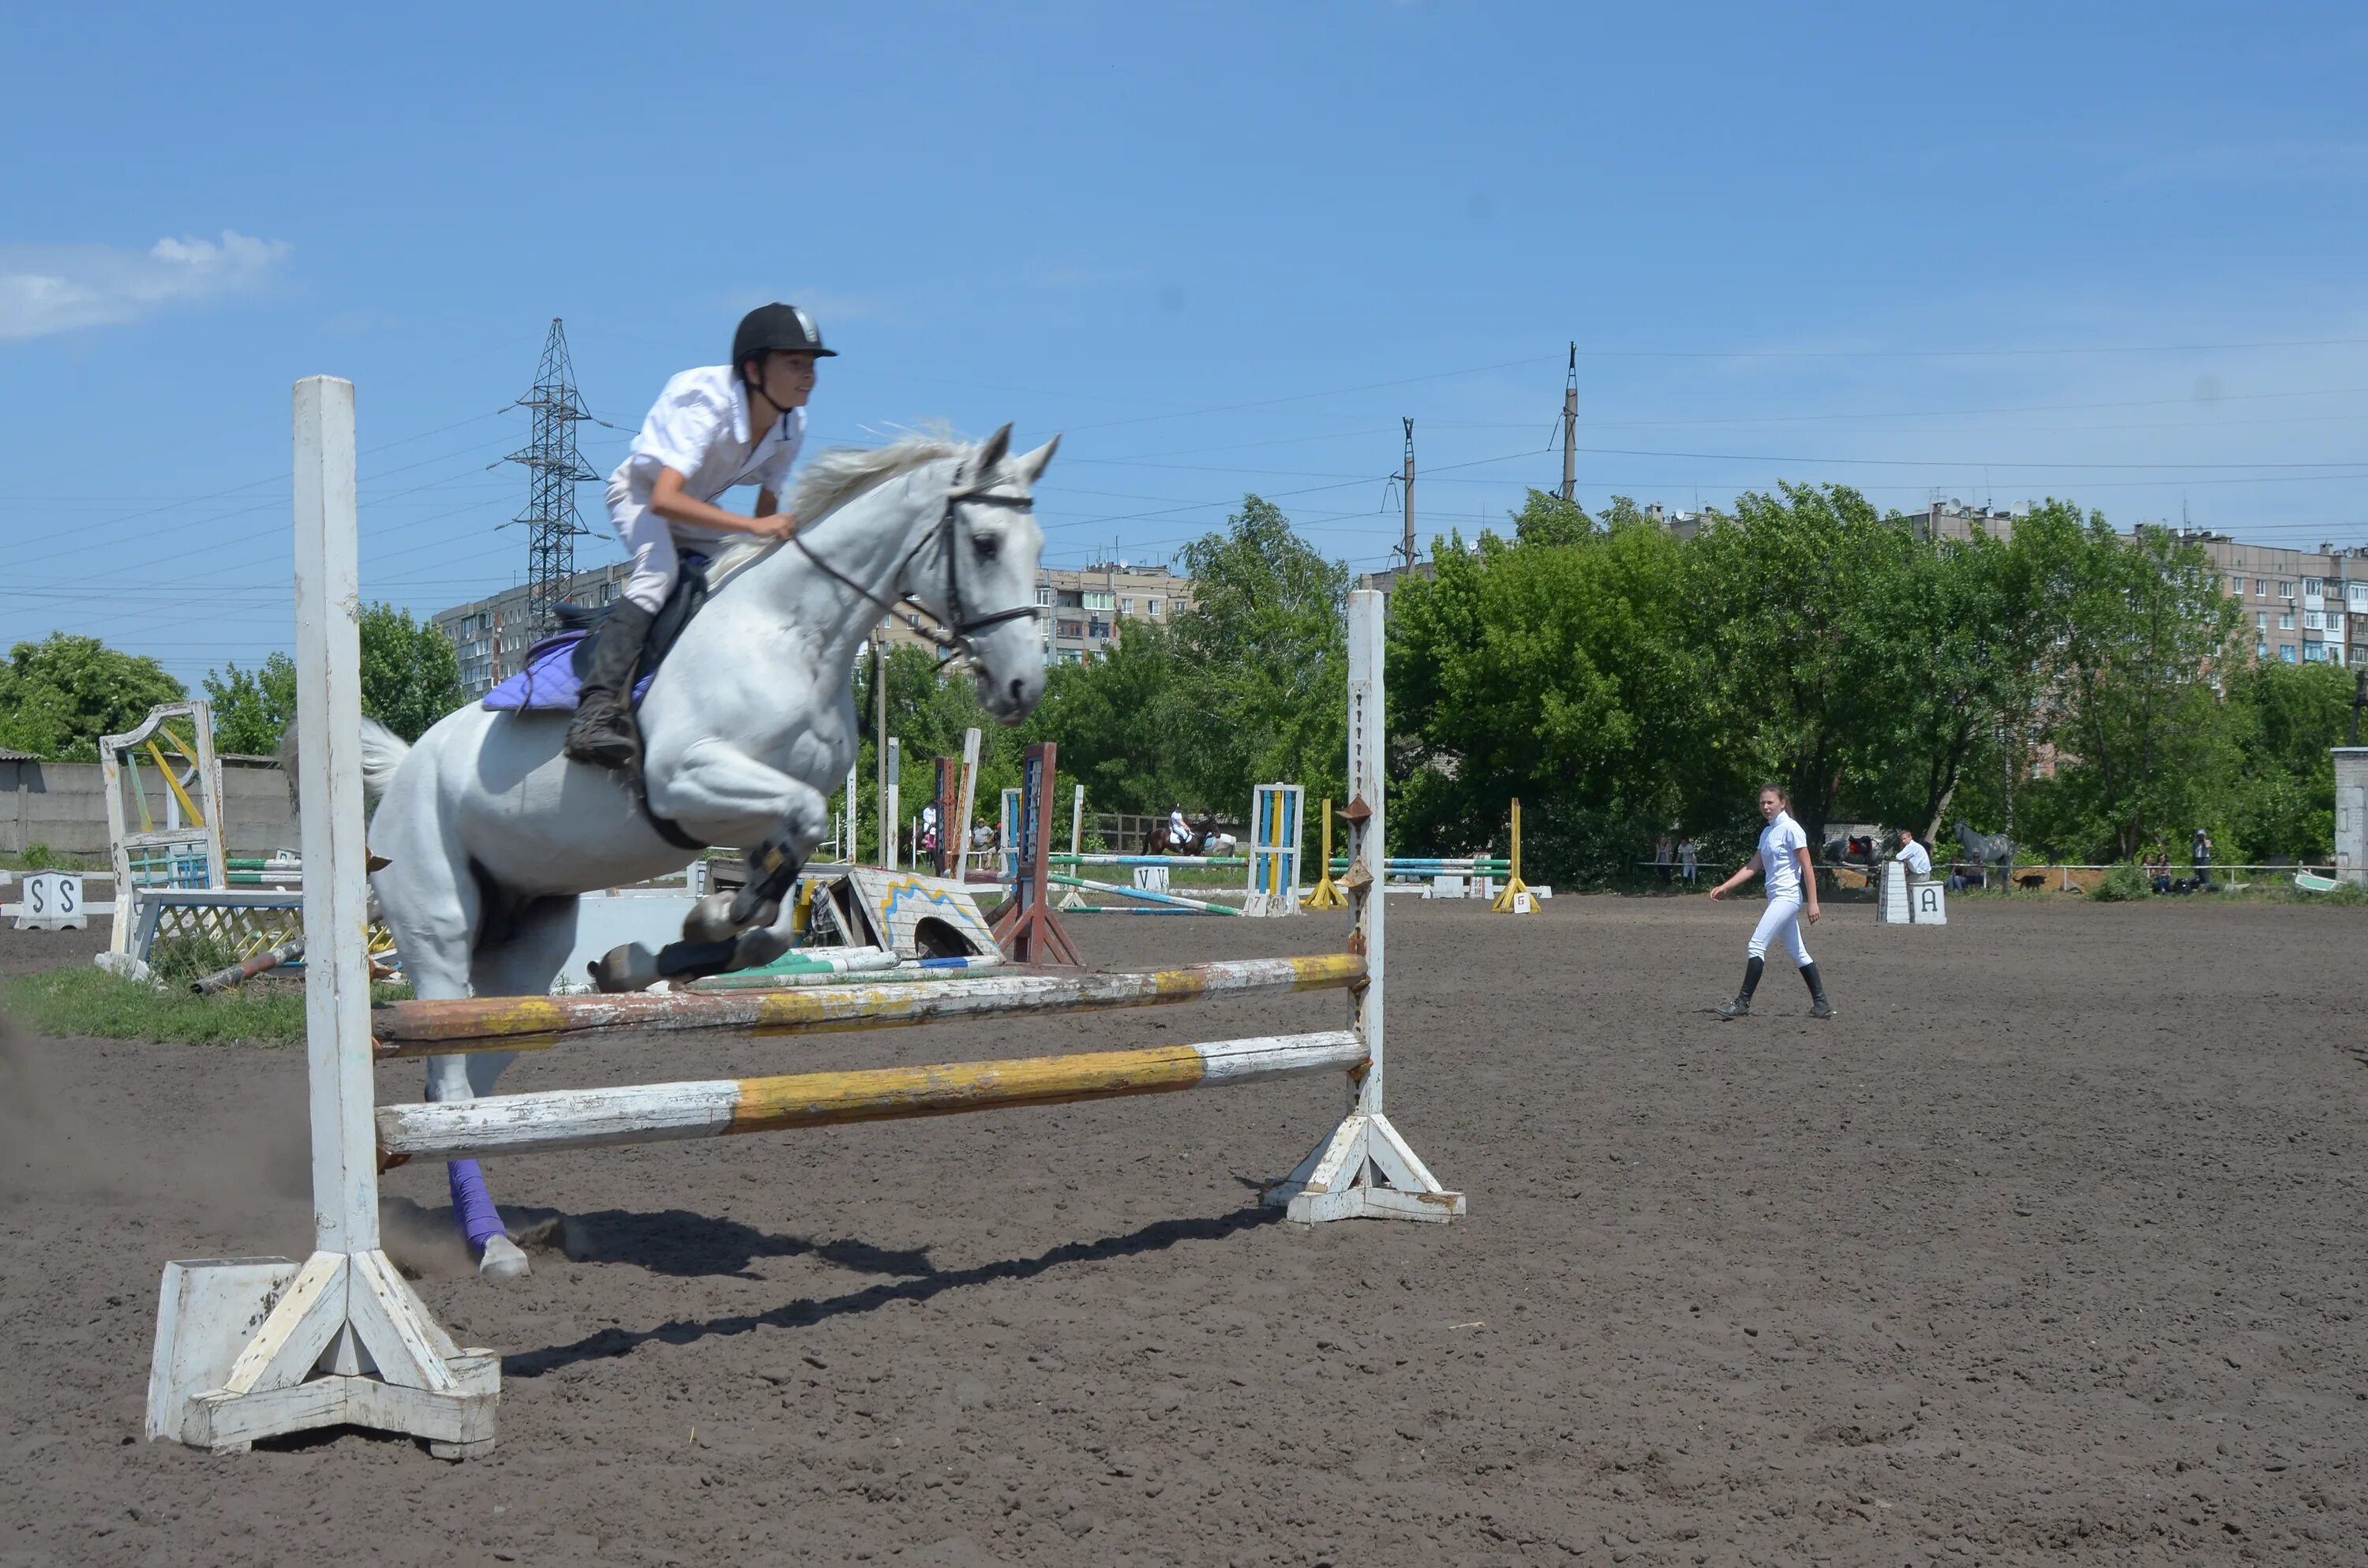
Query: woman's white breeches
x=1781, y=918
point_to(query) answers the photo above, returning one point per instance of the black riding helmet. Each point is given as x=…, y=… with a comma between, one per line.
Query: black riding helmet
x=770, y=329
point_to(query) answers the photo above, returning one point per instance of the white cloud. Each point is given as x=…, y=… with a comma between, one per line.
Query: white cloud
x=50, y=288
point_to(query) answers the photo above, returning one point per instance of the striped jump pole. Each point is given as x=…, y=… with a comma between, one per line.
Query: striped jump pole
x=1173, y=862
x=512, y=1023
x=653, y=1113
x=1168, y=901
x=770, y=979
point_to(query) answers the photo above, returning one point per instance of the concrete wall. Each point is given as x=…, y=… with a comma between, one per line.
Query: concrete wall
x=63, y=805
x=2351, y=813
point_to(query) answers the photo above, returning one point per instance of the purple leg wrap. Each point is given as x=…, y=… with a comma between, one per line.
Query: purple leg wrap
x=472, y=1206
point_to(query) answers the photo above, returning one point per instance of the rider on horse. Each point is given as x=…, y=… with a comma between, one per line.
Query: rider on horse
x=711, y=428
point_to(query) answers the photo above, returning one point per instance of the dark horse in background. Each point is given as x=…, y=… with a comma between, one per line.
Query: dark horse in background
x=1206, y=838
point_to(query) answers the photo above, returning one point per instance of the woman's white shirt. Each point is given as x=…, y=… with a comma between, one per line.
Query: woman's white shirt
x=1778, y=841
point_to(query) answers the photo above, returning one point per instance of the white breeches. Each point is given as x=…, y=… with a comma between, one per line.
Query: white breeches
x=650, y=542
x=1782, y=917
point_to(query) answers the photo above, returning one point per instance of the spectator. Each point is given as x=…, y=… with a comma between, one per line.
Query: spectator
x=1661, y=856
x=1688, y=860
x=2203, y=854
x=1915, y=856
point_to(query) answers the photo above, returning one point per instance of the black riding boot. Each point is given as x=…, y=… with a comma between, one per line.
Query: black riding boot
x=1741, y=1006
x=1818, y=1007
x=603, y=732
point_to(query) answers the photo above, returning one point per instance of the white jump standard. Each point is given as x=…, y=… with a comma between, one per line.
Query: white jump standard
x=256, y=1347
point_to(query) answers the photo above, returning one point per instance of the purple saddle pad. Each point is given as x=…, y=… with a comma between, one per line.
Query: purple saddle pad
x=547, y=683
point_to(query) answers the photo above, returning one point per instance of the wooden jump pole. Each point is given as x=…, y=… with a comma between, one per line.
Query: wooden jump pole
x=1365, y=1169
x=257, y=1347
x=510, y=1023
x=649, y=1113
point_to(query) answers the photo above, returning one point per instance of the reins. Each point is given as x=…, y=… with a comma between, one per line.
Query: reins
x=954, y=629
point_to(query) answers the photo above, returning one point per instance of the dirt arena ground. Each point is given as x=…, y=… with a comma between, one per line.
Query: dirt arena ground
x=2048, y=1249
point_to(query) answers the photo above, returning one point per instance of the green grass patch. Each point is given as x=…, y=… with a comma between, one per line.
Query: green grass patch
x=2125, y=883
x=64, y=1002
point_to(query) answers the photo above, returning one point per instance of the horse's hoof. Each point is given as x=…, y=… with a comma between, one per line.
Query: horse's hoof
x=758, y=947
x=503, y=1260
x=749, y=913
x=709, y=920
x=631, y=967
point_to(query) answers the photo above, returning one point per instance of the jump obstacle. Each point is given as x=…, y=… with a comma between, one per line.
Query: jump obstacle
x=1275, y=810
x=254, y=1348
x=1516, y=899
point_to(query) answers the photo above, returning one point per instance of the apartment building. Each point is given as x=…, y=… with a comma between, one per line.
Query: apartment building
x=1084, y=606
x=492, y=635
x=2301, y=605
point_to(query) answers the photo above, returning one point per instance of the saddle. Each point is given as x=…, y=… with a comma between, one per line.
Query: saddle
x=551, y=676
x=689, y=593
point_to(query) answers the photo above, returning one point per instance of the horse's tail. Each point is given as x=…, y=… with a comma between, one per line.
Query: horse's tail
x=383, y=752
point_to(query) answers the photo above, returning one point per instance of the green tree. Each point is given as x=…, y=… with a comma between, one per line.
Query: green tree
x=1794, y=595
x=2282, y=802
x=1264, y=655
x=251, y=708
x=411, y=675
x=1958, y=661
x=1121, y=724
x=58, y=696
x=1560, y=673
x=1545, y=518
x=2133, y=682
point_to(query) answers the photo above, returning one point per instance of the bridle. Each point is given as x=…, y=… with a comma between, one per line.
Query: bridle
x=954, y=631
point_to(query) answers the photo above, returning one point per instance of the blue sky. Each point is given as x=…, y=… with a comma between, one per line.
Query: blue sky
x=2000, y=254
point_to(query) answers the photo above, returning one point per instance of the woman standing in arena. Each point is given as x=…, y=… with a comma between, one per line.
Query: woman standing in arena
x=1783, y=857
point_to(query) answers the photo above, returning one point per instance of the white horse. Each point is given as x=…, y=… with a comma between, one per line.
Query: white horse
x=490, y=833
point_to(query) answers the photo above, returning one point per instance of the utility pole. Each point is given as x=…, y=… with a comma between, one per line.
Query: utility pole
x=553, y=469
x=1570, y=429
x=1405, y=550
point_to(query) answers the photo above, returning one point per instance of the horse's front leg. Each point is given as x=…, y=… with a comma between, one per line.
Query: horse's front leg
x=716, y=783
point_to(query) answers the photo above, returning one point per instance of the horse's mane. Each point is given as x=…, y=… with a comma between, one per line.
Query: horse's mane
x=838, y=476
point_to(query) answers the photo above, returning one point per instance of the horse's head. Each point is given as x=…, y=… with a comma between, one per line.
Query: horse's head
x=980, y=584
